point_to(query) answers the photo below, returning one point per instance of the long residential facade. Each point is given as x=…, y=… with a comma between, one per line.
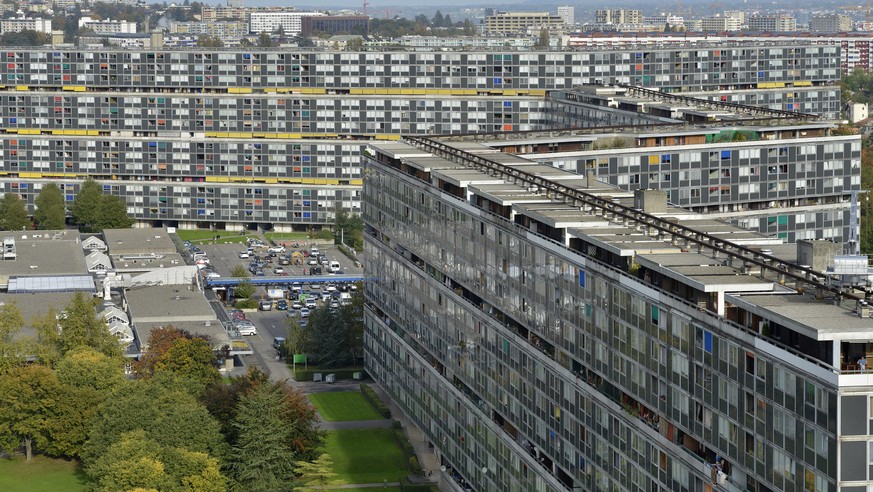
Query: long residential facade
x=547, y=331
x=205, y=124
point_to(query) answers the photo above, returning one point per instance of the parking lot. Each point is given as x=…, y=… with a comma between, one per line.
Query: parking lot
x=223, y=258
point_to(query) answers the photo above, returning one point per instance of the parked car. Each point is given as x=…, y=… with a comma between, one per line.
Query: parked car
x=284, y=261
x=246, y=329
x=280, y=271
x=278, y=343
x=243, y=255
x=276, y=249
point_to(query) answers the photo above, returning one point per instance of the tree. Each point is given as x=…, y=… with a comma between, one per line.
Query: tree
x=264, y=40
x=244, y=290
x=13, y=213
x=112, y=213
x=86, y=205
x=544, y=40
x=263, y=456
x=50, y=212
x=298, y=340
x=138, y=462
x=318, y=472
x=190, y=359
x=80, y=326
x=73, y=415
x=26, y=37
x=160, y=342
x=28, y=397
x=12, y=351
x=207, y=41
x=857, y=86
x=85, y=367
x=437, y=20
x=350, y=229
x=170, y=416
x=46, y=347
x=239, y=271
x=221, y=399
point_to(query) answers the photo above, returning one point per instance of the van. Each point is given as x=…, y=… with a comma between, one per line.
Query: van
x=313, y=252
x=334, y=266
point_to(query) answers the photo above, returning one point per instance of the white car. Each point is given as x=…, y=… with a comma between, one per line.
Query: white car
x=312, y=261
x=276, y=249
x=243, y=255
x=212, y=275
x=310, y=302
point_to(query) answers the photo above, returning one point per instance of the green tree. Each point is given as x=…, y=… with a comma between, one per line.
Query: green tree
x=244, y=290
x=263, y=456
x=112, y=213
x=264, y=40
x=170, y=416
x=190, y=359
x=46, y=347
x=80, y=326
x=544, y=39
x=239, y=271
x=50, y=211
x=317, y=472
x=85, y=367
x=12, y=350
x=207, y=41
x=298, y=340
x=221, y=399
x=138, y=462
x=24, y=38
x=857, y=86
x=437, y=20
x=73, y=415
x=350, y=229
x=13, y=213
x=28, y=398
x=85, y=207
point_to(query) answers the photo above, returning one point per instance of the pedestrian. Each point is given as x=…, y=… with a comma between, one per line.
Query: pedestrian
x=862, y=363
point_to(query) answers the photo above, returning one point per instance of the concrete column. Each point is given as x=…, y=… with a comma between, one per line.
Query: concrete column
x=719, y=303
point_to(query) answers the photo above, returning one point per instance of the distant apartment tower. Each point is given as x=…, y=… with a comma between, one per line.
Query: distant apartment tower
x=107, y=26
x=568, y=13
x=660, y=21
x=26, y=24
x=291, y=23
x=212, y=14
x=772, y=23
x=831, y=23
x=521, y=22
x=736, y=14
x=618, y=16
x=221, y=29
x=235, y=3
x=720, y=24
x=335, y=24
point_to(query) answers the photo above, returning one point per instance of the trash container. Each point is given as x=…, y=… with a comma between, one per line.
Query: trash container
x=330, y=378
x=316, y=377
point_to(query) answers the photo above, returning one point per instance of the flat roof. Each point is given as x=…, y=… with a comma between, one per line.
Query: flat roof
x=168, y=304
x=214, y=330
x=818, y=319
x=399, y=150
x=34, y=306
x=51, y=283
x=138, y=241
x=44, y=253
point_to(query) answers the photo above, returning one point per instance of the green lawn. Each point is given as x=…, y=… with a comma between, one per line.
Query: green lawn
x=365, y=489
x=365, y=456
x=342, y=406
x=286, y=236
x=40, y=475
x=199, y=236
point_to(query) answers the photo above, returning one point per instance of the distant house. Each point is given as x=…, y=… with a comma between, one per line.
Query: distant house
x=98, y=262
x=93, y=243
x=122, y=331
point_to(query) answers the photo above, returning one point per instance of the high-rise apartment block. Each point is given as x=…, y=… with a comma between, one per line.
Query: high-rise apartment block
x=618, y=16
x=568, y=14
x=18, y=24
x=830, y=23
x=503, y=23
x=772, y=23
x=265, y=138
x=546, y=331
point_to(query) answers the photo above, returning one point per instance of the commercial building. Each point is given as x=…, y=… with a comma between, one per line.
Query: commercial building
x=242, y=138
x=546, y=331
x=511, y=23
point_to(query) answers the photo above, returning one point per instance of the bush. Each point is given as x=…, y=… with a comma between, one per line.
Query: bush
x=246, y=303
x=371, y=396
x=324, y=233
x=414, y=466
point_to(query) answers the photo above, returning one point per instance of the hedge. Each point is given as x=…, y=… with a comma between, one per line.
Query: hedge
x=406, y=447
x=246, y=303
x=371, y=396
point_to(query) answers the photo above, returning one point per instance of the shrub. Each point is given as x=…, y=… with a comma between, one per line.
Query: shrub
x=247, y=303
x=414, y=466
x=303, y=374
x=371, y=396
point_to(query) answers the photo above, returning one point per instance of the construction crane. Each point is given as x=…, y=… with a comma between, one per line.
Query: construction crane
x=857, y=8
x=365, y=6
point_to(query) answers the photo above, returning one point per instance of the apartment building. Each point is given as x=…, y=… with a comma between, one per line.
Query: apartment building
x=511, y=23
x=290, y=23
x=830, y=23
x=155, y=125
x=546, y=331
x=26, y=24
x=772, y=23
x=334, y=24
x=718, y=24
x=107, y=26
x=568, y=14
x=618, y=16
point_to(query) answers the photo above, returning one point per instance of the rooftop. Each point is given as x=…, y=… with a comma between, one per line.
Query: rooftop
x=168, y=304
x=138, y=242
